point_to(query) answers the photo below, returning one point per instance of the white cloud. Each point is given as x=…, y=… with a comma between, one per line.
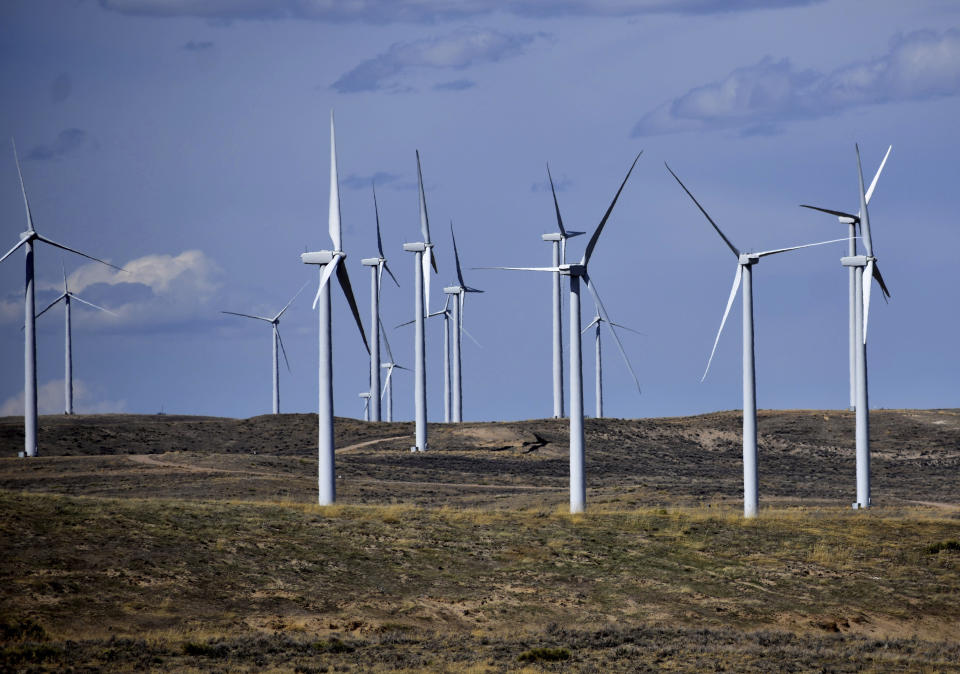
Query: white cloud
x=457, y=51
x=50, y=400
x=918, y=66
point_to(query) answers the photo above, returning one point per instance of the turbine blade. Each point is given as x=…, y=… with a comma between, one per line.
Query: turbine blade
x=376, y=212
x=876, y=177
x=623, y=327
x=259, y=318
x=467, y=333
x=806, y=245
x=839, y=214
x=596, y=234
x=277, y=317
x=704, y=211
x=867, y=281
x=553, y=269
x=325, y=275
x=606, y=319
x=23, y=189
x=283, y=350
x=864, y=214
x=883, y=286
x=456, y=257
x=556, y=206
x=424, y=218
x=425, y=268
x=64, y=272
x=387, y=267
x=95, y=306
x=591, y=324
x=386, y=342
x=51, y=305
x=348, y=292
x=726, y=312
x=460, y=300
x=72, y=250
x=10, y=252
x=386, y=382
x=334, y=219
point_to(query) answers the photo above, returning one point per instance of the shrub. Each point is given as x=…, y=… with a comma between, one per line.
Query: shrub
x=545, y=655
x=948, y=546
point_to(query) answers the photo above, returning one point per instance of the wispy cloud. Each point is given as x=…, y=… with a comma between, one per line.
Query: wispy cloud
x=456, y=51
x=358, y=182
x=194, y=45
x=561, y=184
x=455, y=85
x=429, y=11
x=50, y=400
x=66, y=142
x=920, y=65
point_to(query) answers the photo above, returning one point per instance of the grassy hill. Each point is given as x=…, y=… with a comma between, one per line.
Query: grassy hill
x=185, y=543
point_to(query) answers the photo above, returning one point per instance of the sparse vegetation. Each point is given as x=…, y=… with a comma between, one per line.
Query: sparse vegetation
x=544, y=655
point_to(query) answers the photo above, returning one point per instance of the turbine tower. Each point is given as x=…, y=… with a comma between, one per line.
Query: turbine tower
x=366, y=404
x=559, y=241
x=68, y=297
x=423, y=260
x=865, y=270
x=277, y=340
x=458, y=292
x=745, y=262
x=576, y=272
x=29, y=317
x=377, y=265
x=598, y=372
x=330, y=261
x=852, y=221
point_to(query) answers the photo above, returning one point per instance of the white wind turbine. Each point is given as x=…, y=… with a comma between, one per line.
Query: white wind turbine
x=390, y=365
x=864, y=270
x=377, y=265
x=575, y=272
x=277, y=340
x=424, y=258
x=745, y=262
x=330, y=261
x=29, y=312
x=559, y=241
x=852, y=221
x=458, y=291
x=67, y=298
x=366, y=404
x=598, y=371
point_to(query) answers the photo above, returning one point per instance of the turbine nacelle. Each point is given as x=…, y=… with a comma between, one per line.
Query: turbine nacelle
x=573, y=269
x=417, y=247
x=748, y=258
x=372, y=261
x=321, y=256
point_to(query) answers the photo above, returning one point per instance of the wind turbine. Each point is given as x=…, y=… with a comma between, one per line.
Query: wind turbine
x=852, y=221
x=598, y=372
x=576, y=272
x=423, y=260
x=559, y=240
x=29, y=311
x=389, y=366
x=863, y=270
x=377, y=265
x=330, y=261
x=366, y=404
x=277, y=340
x=745, y=262
x=67, y=297
x=459, y=291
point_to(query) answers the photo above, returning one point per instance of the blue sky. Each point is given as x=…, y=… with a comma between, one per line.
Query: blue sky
x=187, y=141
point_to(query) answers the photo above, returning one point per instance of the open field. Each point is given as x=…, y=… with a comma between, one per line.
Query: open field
x=190, y=543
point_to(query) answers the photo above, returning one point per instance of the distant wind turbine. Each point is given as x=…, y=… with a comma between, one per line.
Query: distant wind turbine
x=576, y=272
x=598, y=319
x=864, y=269
x=67, y=297
x=377, y=265
x=559, y=240
x=329, y=262
x=745, y=262
x=390, y=365
x=424, y=258
x=458, y=291
x=852, y=221
x=366, y=404
x=29, y=324
x=277, y=341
